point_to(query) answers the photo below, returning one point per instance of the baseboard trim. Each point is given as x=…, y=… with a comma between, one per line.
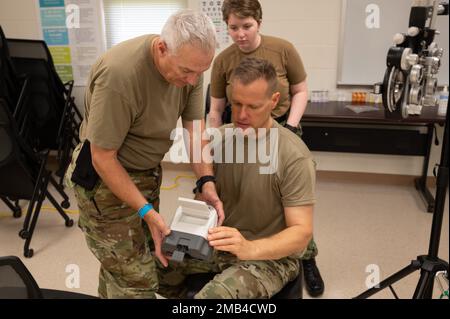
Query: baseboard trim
x=356, y=177
x=372, y=178
x=176, y=167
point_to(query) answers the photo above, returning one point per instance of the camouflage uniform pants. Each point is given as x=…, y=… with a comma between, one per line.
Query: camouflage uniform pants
x=118, y=238
x=311, y=250
x=235, y=279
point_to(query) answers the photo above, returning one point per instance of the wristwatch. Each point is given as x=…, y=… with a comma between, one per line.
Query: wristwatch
x=291, y=128
x=201, y=181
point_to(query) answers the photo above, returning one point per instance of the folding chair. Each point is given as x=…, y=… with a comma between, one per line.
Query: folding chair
x=16, y=282
x=13, y=90
x=23, y=174
x=57, y=116
x=57, y=119
x=10, y=83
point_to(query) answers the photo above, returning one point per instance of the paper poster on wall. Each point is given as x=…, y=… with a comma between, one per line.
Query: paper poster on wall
x=52, y=17
x=213, y=9
x=51, y=3
x=56, y=36
x=73, y=32
x=61, y=55
x=65, y=72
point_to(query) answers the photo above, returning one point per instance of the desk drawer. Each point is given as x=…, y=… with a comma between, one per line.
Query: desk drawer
x=365, y=140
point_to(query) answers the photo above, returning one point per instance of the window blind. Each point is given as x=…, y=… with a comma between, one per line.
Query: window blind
x=126, y=19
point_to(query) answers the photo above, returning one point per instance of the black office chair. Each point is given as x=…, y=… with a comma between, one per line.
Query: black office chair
x=13, y=90
x=16, y=282
x=57, y=118
x=293, y=290
x=10, y=82
x=23, y=173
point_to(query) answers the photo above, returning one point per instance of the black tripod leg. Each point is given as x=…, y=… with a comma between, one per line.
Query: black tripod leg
x=390, y=280
x=424, y=289
x=430, y=267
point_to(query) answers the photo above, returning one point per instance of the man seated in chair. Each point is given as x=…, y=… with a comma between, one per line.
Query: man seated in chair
x=268, y=204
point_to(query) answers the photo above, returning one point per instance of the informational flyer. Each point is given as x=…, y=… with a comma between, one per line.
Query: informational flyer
x=213, y=9
x=73, y=32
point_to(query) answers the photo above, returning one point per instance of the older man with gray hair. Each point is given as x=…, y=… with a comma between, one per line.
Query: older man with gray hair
x=136, y=92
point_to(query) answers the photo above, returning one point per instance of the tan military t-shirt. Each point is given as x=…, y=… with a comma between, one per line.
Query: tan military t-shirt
x=281, y=53
x=130, y=107
x=254, y=202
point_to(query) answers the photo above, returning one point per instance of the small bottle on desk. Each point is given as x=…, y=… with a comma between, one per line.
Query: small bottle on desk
x=443, y=101
x=378, y=99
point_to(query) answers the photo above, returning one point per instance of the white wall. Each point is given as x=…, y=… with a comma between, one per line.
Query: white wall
x=19, y=19
x=313, y=26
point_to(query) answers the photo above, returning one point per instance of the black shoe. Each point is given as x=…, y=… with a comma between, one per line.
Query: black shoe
x=313, y=281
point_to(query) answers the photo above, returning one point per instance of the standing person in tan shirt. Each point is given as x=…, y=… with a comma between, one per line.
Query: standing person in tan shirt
x=136, y=93
x=244, y=18
x=268, y=212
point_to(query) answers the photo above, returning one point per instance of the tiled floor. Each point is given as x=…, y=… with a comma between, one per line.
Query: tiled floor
x=362, y=222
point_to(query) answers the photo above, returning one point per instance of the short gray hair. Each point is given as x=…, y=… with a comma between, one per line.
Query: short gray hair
x=189, y=27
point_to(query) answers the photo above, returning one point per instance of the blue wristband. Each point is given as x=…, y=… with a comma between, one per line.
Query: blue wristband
x=144, y=210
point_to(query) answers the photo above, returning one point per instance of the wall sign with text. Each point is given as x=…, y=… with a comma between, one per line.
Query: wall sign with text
x=73, y=33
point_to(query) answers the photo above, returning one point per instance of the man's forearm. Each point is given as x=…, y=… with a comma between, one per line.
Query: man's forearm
x=119, y=182
x=201, y=163
x=203, y=168
x=285, y=243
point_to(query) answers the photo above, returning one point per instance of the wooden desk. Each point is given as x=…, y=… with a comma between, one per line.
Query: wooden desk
x=331, y=127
